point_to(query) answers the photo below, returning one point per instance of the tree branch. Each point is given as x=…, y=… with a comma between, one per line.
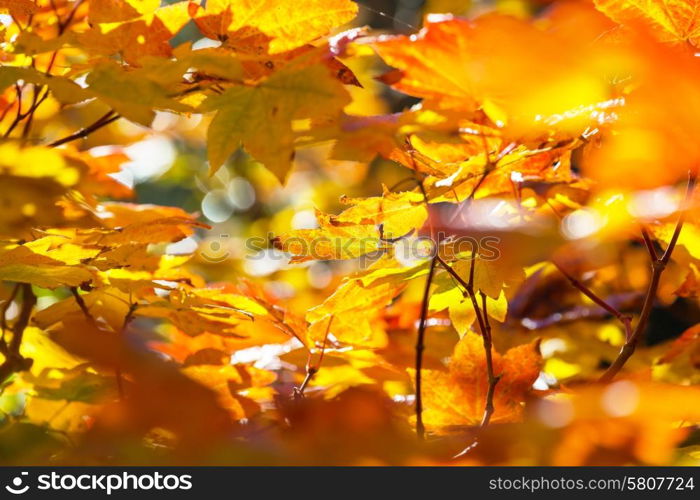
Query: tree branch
x=37, y=89
x=657, y=268
x=420, y=346
x=485, y=330
x=3, y=317
x=83, y=306
x=103, y=121
x=14, y=361
x=649, y=243
x=493, y=379
x=625, y=319
x=312, y=370
x=117, y=370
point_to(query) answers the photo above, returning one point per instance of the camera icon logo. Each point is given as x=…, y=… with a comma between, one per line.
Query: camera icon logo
x=16, y=488
x=216, y=251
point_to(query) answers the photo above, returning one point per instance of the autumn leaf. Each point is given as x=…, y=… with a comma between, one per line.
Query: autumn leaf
x=490, y=276
x=198, y=311
x=248, y=115
x=670, y=21
x=270, y=26
x=399, y=214
x=106, y=305
x=133, y=29
x=20, y=264
x=354, y=314
x=451, y=64
x=21, y=7
x=456, y=396
x=491, y=250
x=330, y=242
x=64, y=89
x=132, y=94
x=370, y=225
x=227, y=381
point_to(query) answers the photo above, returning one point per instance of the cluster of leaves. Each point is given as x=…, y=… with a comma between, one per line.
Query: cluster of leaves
x=568, y=136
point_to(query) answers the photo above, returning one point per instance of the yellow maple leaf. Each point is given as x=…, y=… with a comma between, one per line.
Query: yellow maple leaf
x=271, y=26
x=260, y=117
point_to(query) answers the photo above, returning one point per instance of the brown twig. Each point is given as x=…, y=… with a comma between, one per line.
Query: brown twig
x=658, y=265
x=578, y=313
x=117, y=370
x=482, y=319
x=3, y=317
x=83, y=307
x=18, y=116
x=14, y=361
x=103, y=121
x=37, y=89
x=312, y=370
x=625, y=319
x=63, y=25
x=493, y=379
x=420, y=346
x=649, y=243
x=485, y=330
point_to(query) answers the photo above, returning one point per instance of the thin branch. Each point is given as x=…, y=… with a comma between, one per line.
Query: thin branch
x=467, y=286
x=420, y=346
x=649, y=243
x=117, y=370
x=658, y=266
x=625, y=319
x=36, y=90
x=14, y=361
x=579, y=312
x=18, y=116
x=18, y=96
x=28, y=303
x=22, y=115
x=312, y=370
x=681, y=219
x=3, y=317
x=485, y=330
x=633, y=339
x=63, y=25
x=493, y=379
x=83, y=307
x=103, y=121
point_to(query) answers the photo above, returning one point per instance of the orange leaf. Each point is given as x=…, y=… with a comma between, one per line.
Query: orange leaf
x=457, y=396
x=674, y=21
x=271, y=26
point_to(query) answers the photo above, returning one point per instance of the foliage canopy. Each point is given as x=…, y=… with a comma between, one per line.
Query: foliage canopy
x=511, y=273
